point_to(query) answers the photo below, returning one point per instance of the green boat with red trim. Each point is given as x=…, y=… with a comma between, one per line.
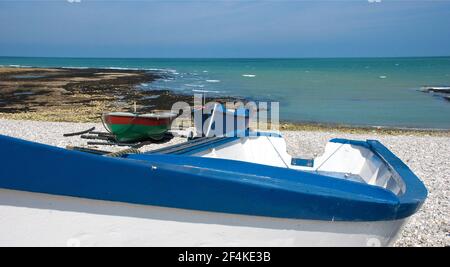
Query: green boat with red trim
x=129, y=127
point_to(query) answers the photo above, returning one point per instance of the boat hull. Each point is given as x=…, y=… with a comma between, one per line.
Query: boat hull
x=34, y=219
x=127, y=128
x=182, y=200
x=126, y=133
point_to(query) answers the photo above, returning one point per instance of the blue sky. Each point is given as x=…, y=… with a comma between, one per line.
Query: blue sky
x=224, y=28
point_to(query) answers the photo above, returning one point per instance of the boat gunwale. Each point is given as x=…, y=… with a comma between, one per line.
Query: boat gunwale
x=163, y=115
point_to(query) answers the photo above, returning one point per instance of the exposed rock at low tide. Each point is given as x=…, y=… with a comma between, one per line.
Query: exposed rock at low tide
x=81, y=95
x=441, y=91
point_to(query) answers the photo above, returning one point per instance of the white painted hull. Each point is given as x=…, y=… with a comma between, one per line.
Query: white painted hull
x=31, y=219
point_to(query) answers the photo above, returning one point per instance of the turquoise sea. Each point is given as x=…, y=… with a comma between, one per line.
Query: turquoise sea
x=353, y=91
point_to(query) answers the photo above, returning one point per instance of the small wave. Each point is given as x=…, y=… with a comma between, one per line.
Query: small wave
x=249, y=75
x=72, y=67
x=382, y=77
x=121, y=68
x=194, y=85
x=171, y=71
x=134, y=68
x=144, y=84
x=205, y=91
x=213, y=81
x=156, y=69
x=205, y=71
x=19, y=66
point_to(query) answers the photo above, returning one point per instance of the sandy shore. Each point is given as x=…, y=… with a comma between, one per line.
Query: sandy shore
x=427, y=156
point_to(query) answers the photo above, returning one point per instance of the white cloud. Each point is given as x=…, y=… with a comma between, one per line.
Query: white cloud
x=374, y=1
x=74, y=1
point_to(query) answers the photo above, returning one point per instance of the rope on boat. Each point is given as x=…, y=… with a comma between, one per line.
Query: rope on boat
x=332, y=154
x=124, y=152
x=87, y=150
x=276, y=150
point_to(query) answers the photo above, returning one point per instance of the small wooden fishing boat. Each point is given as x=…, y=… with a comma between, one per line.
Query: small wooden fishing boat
x=220, y=191
x=129, y=127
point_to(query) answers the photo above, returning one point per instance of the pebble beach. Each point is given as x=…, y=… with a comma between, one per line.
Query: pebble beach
x=426, y=154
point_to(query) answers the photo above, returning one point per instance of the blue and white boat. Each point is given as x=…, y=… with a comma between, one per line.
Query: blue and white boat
x=222, y=191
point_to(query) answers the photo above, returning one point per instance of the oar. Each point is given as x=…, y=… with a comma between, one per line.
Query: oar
x=79, y=133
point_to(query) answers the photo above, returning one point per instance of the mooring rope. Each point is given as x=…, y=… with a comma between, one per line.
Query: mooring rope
x=124, y=152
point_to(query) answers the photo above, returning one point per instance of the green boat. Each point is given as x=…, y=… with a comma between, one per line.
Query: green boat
x=130, y=127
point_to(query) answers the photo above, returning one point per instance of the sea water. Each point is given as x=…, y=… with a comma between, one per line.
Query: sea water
x=352, y=91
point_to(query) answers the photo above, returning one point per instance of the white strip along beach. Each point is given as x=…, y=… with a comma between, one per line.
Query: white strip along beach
x=427, y=156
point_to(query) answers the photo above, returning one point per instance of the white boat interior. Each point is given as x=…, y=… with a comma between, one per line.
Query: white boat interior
x=339, y=160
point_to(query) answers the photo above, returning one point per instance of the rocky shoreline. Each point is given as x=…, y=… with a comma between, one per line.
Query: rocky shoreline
x=34, y=100
x=80, y=95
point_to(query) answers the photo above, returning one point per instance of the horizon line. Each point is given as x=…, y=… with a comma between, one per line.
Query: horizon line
x=333, y=57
